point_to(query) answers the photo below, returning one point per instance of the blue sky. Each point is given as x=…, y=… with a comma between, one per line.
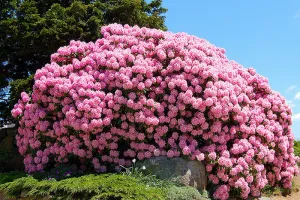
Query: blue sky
x=264, y=35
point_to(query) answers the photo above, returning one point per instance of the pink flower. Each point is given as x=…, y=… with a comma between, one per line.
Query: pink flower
x=81, y=153
x=45, y=159
x=209, y=102
x=37, y=160
x=25, y=97
x=212, y=155
x=141, y=155
x=200, y=157
x=209, y=168
x=156, y=152
x=170, y=154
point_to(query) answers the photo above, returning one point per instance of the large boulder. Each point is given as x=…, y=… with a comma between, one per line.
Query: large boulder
x=188, y=172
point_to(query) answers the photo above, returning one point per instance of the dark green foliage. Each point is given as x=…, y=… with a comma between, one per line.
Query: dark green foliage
x=148, y=15
x=105, y=186
x=32, y=30
x=297, y=147
x=11, y=176
x=60, y=172
x=5, y=157
x=17, y=87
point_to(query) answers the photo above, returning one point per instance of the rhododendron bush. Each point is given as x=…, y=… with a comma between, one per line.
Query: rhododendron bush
x=139, y=93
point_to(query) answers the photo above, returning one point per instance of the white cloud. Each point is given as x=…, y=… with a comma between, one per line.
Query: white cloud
x=297, y=96
x=291, y=103
x=297, y=15
x=291, y=88
x=296, y=117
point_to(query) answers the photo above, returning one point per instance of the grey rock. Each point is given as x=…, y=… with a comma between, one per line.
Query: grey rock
x=187, y=172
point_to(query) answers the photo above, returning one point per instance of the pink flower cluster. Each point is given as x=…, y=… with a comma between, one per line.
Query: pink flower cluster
x=139, y=93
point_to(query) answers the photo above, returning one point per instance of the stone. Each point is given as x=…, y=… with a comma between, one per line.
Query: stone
x=187, y=172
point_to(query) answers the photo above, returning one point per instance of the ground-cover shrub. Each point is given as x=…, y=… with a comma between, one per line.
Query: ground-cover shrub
x=184, y=193
x=138, y=93
x=104, y=186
